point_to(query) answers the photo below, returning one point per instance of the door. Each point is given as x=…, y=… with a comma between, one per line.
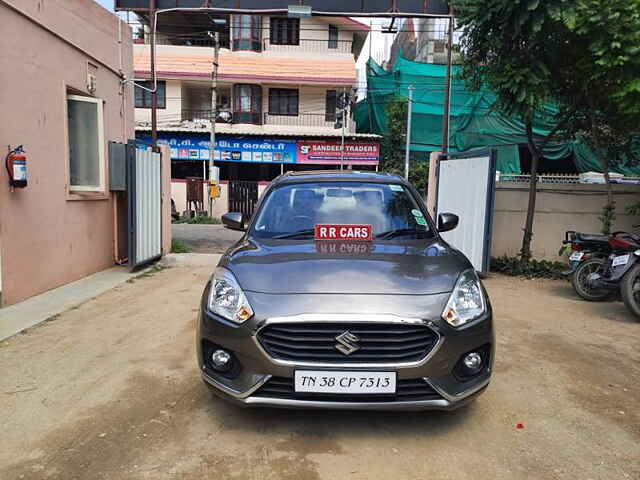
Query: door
x=144, y=198
x=243, y=197
x=466, y=187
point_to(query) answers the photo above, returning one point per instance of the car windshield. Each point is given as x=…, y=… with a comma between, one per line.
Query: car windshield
x=293, y=210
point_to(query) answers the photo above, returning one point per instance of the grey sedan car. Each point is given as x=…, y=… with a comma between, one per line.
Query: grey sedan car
x=341, y=294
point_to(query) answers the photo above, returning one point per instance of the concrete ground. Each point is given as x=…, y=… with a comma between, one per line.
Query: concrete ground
x=205, y=238
x=110, y=390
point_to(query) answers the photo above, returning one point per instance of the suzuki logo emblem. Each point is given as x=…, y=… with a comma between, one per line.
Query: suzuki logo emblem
x=347, y=343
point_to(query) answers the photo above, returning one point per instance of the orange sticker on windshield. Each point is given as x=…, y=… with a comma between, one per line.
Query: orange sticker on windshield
x=353, y=232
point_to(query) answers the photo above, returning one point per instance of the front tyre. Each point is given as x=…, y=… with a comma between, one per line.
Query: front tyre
x=581, y=284
x=630, y=290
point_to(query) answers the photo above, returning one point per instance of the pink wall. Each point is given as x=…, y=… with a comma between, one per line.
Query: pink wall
x=48, y=237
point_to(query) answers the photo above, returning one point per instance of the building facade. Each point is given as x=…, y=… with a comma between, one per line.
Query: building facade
x=280, y=84
x=63, y=99
x=424, y=40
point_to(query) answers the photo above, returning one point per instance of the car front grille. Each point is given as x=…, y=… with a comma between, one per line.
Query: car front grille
x=406, y=391
x=376, y=343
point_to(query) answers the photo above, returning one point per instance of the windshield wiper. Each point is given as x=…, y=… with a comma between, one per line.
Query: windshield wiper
x=399, y=232
x=306, y=231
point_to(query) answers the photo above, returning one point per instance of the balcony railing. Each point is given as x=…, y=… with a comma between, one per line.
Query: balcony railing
x=317, y=120
x=186, y=41
x=301, y=120
x=304, y=45
x=310, y=46
x=189, y=115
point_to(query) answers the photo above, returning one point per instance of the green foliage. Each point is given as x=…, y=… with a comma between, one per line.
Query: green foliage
x=633, y=209
x=600, y=92
x=393, y=142
x=608, y=218
x=514, y=266
x=606, y=36
x=393, y=146
x=509, y=45
x=177, y=246
x=200, y=221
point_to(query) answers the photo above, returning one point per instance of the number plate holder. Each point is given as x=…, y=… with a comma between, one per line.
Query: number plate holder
x=347, y=383
x=621, y=260
x=576, y=256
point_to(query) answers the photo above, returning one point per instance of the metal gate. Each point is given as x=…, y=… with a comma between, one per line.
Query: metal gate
x=466, y=187
x=243, y=197
x=144, y=198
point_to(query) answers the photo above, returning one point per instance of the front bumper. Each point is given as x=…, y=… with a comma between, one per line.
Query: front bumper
x=252, y=385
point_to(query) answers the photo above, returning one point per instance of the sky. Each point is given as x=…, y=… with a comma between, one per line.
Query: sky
x=108, y=4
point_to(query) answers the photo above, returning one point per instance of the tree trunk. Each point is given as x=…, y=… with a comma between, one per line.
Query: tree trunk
x=525, y=252
x=608, y=211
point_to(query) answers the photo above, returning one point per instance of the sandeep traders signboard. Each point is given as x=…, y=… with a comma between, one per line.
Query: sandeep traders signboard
x=330, y=152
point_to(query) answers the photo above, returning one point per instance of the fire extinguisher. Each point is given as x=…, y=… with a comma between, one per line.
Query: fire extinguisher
x=16, y=163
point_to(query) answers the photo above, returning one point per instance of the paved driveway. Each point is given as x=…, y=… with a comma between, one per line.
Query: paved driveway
x=205, y=238
x=110, y=390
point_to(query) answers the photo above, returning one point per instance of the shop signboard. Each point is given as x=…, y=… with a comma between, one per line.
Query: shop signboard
x=330, y=152
x=231, y=149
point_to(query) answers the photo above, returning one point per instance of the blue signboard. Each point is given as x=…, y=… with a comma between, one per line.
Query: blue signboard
x=228, y=149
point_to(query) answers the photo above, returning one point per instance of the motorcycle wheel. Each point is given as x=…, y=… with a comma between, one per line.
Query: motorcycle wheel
x=581, y=285
x=630, y=290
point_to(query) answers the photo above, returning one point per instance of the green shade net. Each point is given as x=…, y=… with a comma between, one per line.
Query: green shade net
x=473, y=122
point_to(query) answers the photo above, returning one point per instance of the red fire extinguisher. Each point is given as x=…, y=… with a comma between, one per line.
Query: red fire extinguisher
x=16, y=163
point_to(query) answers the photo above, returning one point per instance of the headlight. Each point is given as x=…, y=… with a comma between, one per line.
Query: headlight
x=466, y=302
x=227, y=299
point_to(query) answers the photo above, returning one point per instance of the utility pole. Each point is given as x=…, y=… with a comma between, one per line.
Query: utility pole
x=344, y=121
x=214, y=108
x=407, y=152
x=154, y=89
x=447, y=95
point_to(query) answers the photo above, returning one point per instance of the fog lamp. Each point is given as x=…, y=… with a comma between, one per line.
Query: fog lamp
x=472, y=362
x=221, y=360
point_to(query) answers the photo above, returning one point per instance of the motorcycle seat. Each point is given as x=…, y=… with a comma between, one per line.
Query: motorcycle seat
x=591, y=237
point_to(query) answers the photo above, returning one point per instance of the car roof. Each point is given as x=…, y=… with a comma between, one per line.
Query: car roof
x=336, y=176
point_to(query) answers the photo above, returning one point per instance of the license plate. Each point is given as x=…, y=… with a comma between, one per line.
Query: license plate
x=576, y=256
x=318, y=381
x=621, y=260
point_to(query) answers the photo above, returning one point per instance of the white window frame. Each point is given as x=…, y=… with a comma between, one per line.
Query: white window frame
x=101, y=146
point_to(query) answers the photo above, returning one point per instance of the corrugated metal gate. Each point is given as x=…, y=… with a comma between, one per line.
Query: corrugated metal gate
x=144, y=197
x=466, y=187
x=243, y=197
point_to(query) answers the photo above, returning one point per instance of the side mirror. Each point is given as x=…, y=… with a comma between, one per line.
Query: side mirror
x=447, y=222
x=234, y=221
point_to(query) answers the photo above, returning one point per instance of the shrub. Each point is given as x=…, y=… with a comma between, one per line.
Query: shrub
x=514, y=266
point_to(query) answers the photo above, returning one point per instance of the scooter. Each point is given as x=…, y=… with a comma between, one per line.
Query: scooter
x=621, y=270
x=588, y=254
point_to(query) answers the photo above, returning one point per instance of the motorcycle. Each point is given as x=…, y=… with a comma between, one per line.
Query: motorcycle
x=588, y=254
x=621, y=270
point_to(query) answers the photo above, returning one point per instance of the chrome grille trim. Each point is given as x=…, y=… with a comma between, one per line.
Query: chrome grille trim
x=349, y=318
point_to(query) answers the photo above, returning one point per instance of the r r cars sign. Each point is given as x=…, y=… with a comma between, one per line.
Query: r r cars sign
x=325, y=231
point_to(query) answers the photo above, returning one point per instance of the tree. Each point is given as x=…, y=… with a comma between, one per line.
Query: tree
x=600, y=92
x=393, y=141
x=508, y=45
x=393, y=145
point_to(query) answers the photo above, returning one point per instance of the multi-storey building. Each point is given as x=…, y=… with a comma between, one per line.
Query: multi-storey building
x=424, y=40
x=279, y=81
